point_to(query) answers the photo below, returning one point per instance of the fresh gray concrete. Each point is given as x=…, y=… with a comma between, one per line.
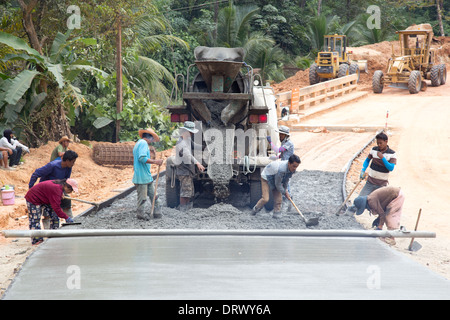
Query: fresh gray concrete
x=222, y=267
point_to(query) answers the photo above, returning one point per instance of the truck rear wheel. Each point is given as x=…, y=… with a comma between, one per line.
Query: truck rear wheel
x=313, y=75
x=435, y=76
x=378, y=81
x=415, y=82
x=172, y=188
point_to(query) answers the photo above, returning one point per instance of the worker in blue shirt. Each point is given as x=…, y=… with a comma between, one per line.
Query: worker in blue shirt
x=56, y=170
x=142, y=177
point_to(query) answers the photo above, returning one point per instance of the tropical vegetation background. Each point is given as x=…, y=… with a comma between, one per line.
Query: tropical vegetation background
x=102, y=69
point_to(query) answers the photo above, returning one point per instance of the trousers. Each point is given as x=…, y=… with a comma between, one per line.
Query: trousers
x=144, y=191
x=277, y=196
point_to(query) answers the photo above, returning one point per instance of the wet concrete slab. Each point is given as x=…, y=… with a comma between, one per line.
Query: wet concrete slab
x=222, y=267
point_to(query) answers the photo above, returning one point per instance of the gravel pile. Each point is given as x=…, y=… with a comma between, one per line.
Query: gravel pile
x=316, y=194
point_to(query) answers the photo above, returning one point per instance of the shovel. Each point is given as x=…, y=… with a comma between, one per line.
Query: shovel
x=71, y=224
x=154, y=195
x=348, y=197
x=96, y=204
x=415, y=246
x=308, y=222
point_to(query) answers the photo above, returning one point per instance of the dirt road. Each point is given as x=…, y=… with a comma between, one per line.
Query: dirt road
x=420, y=135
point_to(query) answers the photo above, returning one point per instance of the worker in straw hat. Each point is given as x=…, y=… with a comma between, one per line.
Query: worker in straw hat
x=63, y=146
x=186, y=164
x=142, y=177
x=45, y=199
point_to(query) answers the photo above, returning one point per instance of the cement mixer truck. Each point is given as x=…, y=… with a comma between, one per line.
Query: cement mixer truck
x=234, y=112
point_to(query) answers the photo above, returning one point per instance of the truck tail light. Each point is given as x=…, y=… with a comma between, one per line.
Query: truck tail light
x=175, y=117
x=184, y=117
x=179, y=117
x=257, y=118
x=262, y=118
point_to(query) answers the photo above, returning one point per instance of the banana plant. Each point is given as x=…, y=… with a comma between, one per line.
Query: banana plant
x=18, y=93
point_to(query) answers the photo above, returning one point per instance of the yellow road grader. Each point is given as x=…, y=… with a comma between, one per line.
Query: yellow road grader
x=417, y=62
x=334, y=61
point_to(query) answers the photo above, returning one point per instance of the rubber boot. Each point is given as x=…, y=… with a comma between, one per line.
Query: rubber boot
x=255, y=210
x=184, y=204
x=46, y=223
x=142, y=215
x=157, y=212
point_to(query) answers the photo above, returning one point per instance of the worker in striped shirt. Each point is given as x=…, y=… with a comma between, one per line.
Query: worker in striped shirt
x=382, y=160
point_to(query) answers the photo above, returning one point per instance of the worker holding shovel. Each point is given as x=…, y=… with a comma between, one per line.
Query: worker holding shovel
x=142, y=178
x=275, y=177
x=382, y=160
x=45, y=198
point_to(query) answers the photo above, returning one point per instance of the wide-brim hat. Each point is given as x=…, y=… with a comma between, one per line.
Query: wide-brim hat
x=284, y=130
x=189, y=126
x=73, y=183
x=65, y=138
x=360, y=203
x=150, y=131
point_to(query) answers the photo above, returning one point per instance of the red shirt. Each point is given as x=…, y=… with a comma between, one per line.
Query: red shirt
x=49, y=193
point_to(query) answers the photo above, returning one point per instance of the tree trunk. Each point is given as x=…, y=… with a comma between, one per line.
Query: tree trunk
x=319, y=7
x=119, y=88
x=439, y=6
x=50, y=123
x=216, y=21
x=27, y=21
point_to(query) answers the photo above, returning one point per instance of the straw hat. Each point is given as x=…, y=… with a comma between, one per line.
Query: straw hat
x=150, y=131
x=65, y=138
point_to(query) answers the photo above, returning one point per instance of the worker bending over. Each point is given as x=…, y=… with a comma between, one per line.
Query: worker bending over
x=387, y=203
x=275, y=177
x=56, y=170
x=45, y=198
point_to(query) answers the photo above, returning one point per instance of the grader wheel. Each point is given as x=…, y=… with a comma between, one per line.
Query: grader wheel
x=443, y=69
x=378, y=82
x=415, y=82
x=436, y=76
